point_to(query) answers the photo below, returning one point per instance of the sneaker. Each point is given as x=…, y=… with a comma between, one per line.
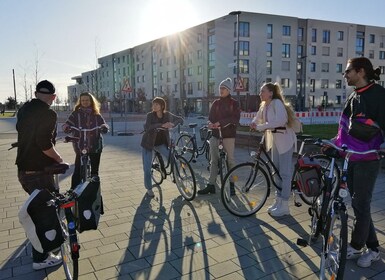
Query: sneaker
x=52, y=260
x=353, y=253
x=368, y=257
x=150, y=193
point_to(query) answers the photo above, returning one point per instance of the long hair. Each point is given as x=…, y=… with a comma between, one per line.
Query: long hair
x=95, y=105
x=278, y=94
x=364, y=63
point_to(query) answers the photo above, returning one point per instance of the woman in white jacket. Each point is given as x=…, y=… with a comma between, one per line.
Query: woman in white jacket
x=273, y=117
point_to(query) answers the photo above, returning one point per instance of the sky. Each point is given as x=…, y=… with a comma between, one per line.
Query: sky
x=62, y=39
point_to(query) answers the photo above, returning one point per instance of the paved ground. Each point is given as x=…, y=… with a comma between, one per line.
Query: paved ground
x=166, y=237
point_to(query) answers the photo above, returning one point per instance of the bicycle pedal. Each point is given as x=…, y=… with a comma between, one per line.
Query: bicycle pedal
x=302, y=242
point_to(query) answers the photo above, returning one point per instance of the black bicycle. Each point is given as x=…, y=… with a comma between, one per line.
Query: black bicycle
x=329, y=215
x=85, y=162
x=188, y=143
x=247, y=186
x=177, y=166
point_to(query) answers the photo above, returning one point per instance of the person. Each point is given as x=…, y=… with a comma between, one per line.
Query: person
x=368, y=98
x=154, y=139
x=273, y=118
x=185, y=109
x=86, y=115
x=36, y=128
x=224, y=113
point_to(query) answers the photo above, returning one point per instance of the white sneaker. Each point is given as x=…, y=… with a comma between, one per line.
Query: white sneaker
x=368, y=257
x=352, y=253
x=282, y=209
x=52, y=260
x=150, y=193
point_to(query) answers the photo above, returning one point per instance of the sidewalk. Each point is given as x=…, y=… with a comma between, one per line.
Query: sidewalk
x=166, y=237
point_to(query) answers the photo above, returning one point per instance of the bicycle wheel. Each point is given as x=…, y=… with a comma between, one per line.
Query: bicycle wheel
x=184, y=178
x=157, y=166
x=185, y=147
x=325, y=162
x=333, y=258
x=245, y=189
x=69, y=256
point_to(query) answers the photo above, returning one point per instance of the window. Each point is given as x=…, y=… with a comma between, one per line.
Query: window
x=338, y=83
x=372, y=38
x=211, y=58
x=371, y=53
x=314, y=35
x=175, y=87
x=244, y=66
x=199, y=70
x=286, y=30
x=243, y=48
x=325, y=67
x=312, y=85
x=161, y=76
x=190, y=89
x=286, y=50
x=312, y=67
x=269, y=67
x=382, y=55
x=199, y=39
x=360, y=43
x=269, y=31
x=340, y=35
x=339, y=68
x=382, y=68
x=285, y=66
x=326, y=51
x=285, y=83
x=300, y=34
x=300, y=52
x=211, y=42
x=326, y=36
x=199, y=54
x=324, y=83
x=161, y=62
x=340, y=52
x=190, y=71
x=269, y=49
x=313, y=50
x=244, y=29
x=245, y=83
x=200, y=85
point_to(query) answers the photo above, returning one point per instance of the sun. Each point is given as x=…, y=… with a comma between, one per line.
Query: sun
x=161, y=18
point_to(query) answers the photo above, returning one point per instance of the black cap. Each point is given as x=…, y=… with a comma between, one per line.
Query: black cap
x=45, y=87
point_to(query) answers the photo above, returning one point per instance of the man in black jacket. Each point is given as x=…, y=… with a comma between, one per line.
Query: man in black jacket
x=36, y=127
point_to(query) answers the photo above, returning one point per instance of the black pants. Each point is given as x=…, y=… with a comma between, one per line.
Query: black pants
x=95, y=162
x=31, y=182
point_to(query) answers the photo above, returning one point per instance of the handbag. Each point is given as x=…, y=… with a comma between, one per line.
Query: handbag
x=363, y=129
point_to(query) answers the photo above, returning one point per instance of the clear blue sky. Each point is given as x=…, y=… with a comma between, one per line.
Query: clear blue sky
x=66, y=37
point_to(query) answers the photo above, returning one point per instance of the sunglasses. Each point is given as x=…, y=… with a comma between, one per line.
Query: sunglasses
x=347, y=71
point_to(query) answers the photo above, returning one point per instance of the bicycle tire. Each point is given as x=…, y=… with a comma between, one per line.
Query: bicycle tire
x=325, y=162
x=251, y=189
x=185, y=147
x=184, y=178
x=157, y=167
x=333, y=259
x=70, y=260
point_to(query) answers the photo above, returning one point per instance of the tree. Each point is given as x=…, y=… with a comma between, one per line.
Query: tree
x=11, y=103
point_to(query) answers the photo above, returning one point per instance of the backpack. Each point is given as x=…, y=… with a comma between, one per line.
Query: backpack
x=308, y=176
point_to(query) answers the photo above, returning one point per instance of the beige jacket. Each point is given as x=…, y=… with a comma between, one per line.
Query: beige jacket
x=272, y=116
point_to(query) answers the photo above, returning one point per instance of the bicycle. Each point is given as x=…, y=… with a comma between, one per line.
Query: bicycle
x=329, y=214
x=246, y=186
x=177, y=166
x=85, y=162
x=188, y=143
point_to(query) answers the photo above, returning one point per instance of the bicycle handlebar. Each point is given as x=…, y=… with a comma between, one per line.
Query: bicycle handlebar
x=344, y=148
x=101, y=128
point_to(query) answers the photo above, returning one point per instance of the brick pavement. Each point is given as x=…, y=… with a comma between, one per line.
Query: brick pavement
x=166, y=237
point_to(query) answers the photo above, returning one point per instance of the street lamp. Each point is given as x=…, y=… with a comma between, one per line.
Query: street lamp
x=237, y=13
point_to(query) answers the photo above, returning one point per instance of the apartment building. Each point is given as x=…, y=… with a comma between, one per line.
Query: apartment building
x=306, y=56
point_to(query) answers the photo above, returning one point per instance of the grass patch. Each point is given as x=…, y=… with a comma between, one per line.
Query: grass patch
x=7, y=114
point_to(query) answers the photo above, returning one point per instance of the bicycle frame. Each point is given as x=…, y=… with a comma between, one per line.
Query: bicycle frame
x=197, y=151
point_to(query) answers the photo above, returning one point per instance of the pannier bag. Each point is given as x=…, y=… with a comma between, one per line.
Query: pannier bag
x=203, y=131
x=40, y=222
x=89, y=205
x=308, y=176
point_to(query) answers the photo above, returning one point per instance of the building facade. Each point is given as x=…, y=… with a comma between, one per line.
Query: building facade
x=307, y=57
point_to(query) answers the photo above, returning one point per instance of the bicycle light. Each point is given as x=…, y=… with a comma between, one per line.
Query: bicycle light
x=84, y=151
x=343, y=193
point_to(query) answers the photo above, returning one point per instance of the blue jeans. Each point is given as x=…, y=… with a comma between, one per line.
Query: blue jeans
x=147, y=162
x=362, y=177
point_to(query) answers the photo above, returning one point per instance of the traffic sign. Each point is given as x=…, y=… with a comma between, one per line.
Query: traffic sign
x=126, y=86
x=239, y=84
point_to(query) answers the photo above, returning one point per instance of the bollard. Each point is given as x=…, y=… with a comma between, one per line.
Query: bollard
x=112, y=126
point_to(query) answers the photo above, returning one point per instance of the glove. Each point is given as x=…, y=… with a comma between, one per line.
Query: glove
x=103, y=129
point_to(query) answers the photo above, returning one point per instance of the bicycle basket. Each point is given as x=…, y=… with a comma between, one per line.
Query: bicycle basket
x=203, y=131
x=308, y=176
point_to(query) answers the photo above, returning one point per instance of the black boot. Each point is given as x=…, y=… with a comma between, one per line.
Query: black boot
x=209, y=189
